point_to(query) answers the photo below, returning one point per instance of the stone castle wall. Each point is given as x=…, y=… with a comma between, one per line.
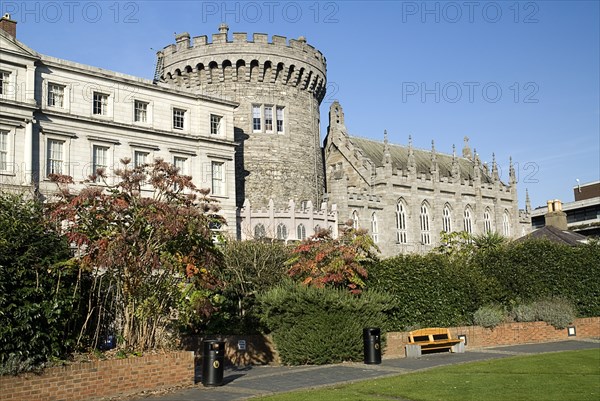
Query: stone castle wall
x=291, y=75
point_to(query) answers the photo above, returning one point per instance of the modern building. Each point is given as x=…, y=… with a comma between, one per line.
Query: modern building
x=583, y=214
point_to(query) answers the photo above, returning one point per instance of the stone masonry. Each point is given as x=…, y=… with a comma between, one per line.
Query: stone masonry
x=277, y=80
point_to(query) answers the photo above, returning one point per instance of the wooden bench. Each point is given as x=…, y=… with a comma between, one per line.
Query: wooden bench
x=432, y=339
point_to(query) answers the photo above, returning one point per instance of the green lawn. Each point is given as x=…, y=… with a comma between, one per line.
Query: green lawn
x=573, y=375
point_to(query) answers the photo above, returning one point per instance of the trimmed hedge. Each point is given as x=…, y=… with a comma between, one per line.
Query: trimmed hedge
x=530, y=270
x=321, y=325
x=430, y=290
x=438, y=290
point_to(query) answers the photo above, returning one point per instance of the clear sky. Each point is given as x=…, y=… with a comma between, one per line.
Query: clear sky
x=520, y=79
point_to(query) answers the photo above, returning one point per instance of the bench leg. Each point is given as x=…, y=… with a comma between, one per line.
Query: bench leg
x=413, y=351
x=460, y=347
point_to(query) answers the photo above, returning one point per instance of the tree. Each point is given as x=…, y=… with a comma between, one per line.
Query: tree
x=148, y=238
x=322, y=260
x=39, y=292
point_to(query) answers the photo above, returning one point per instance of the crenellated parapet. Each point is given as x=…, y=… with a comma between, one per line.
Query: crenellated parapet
x=193, y=62
x=294, y=222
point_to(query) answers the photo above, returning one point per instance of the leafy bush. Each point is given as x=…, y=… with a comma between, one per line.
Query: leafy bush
x=524, y=313
x=249, y=268
x=555, y=311
x=430, y=290
x=39, y=294
x=313, y=325
x=534, y=269
x=488, y=316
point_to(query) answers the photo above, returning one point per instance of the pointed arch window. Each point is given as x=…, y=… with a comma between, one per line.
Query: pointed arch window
x=374, y=228
x=447, y=219
x=468, y=221
x=282, y=233
x=355, y=220
x=401, y=236
x=487, y=221
x=424, y=219
x=301, y=232
x=259, y=231
x=506, y=224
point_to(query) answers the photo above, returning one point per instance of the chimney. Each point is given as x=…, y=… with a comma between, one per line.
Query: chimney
x=9, y=26
x=555, y=216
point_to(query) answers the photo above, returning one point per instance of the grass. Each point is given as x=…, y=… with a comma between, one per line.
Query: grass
x=573, y=375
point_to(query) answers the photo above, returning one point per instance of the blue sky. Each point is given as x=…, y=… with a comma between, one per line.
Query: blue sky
x=520, y=79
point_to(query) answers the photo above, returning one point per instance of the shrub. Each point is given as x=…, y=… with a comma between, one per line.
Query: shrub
x=249, y=267
x=488, y=316
x=313, y=325
x=39, y=294
x=430, y=290
x=555, y=311
x=524, y=313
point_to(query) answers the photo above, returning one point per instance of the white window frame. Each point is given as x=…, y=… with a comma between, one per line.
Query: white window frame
x=138, y=112
x=268, y=117
x=280, y=122
x=218, y=178
x=5, y=152
x=401, y=234
x=137, y=157
x=216, y=124
x=55, y=96
x=101, y=104
x=5, y=80
x=424, y=220
x=179, y=121
x=257, y=123
x=96, y=163
x=55, y=156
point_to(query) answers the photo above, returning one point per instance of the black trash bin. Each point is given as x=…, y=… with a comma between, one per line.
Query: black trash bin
x=372, y=342
x=213, y=357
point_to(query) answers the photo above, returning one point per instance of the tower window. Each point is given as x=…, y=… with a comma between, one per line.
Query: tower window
x=279, y=116
x=256, y=118
x=269, y=118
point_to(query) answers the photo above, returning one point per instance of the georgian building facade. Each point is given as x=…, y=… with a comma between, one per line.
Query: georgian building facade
x=62, y=117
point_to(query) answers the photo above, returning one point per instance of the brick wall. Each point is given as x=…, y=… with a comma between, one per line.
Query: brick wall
x=92, y=380
x=504, y=334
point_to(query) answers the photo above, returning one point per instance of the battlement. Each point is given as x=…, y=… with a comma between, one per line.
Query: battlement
x=183, y=42
x=196, y=61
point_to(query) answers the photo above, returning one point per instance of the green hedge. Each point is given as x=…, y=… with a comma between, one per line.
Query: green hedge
x=38, y=293
x=321, y=325
x=430, y=290
x=530, y=270
x=437, y=290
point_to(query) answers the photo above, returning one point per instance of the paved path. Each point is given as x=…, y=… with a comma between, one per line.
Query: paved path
x=244, y=383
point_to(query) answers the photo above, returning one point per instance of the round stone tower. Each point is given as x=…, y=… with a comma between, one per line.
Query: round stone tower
x=279, y=86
